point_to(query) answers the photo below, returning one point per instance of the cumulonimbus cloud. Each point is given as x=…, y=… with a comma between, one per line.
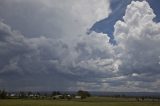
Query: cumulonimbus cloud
x=71, y=56
x=138, y=37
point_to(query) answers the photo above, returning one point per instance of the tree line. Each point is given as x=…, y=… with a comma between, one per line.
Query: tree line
x=3, y=94
x=39, y=95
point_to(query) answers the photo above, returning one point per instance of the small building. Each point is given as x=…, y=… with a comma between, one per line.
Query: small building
x=12, y=94
x=77, y=97
x=31, y=95
x=58, y=96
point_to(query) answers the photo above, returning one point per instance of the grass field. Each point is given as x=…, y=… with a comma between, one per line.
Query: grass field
x=93, y=101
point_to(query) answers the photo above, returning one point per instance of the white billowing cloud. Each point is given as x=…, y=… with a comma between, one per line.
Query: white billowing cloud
x=138, y=40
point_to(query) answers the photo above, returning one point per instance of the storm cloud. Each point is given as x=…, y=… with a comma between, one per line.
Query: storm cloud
x=44, y=45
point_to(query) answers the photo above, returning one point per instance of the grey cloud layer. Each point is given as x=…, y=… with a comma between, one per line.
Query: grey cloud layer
x=40, y=60
x=25, y=59
x=57, y=56
x=53, y=17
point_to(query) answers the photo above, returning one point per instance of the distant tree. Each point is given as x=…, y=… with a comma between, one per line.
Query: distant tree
x=69, y=97
x=30, y=93
x=83, y=94
x=22, y=95
x=142, y=98
x=3, y=94
x=54, y=93
x=38, y=94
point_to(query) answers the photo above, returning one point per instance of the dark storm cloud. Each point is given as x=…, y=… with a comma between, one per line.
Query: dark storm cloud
x=24, y=62
x=42, y=59
x=28, y=59
x=34, y=17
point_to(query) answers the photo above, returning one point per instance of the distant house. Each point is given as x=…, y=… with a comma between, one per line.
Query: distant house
x=12, y=94
x=31, y=95
x=77, y=97
x=58, y=96
x=68, y=95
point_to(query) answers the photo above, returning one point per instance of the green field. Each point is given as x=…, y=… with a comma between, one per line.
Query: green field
x=93, y=101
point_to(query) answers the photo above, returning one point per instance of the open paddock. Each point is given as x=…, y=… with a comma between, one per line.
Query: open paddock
x=91, y=101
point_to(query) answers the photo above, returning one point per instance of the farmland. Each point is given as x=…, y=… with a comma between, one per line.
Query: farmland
x=91, y=101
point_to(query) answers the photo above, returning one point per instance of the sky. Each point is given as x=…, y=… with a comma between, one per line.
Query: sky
x=94, y=45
